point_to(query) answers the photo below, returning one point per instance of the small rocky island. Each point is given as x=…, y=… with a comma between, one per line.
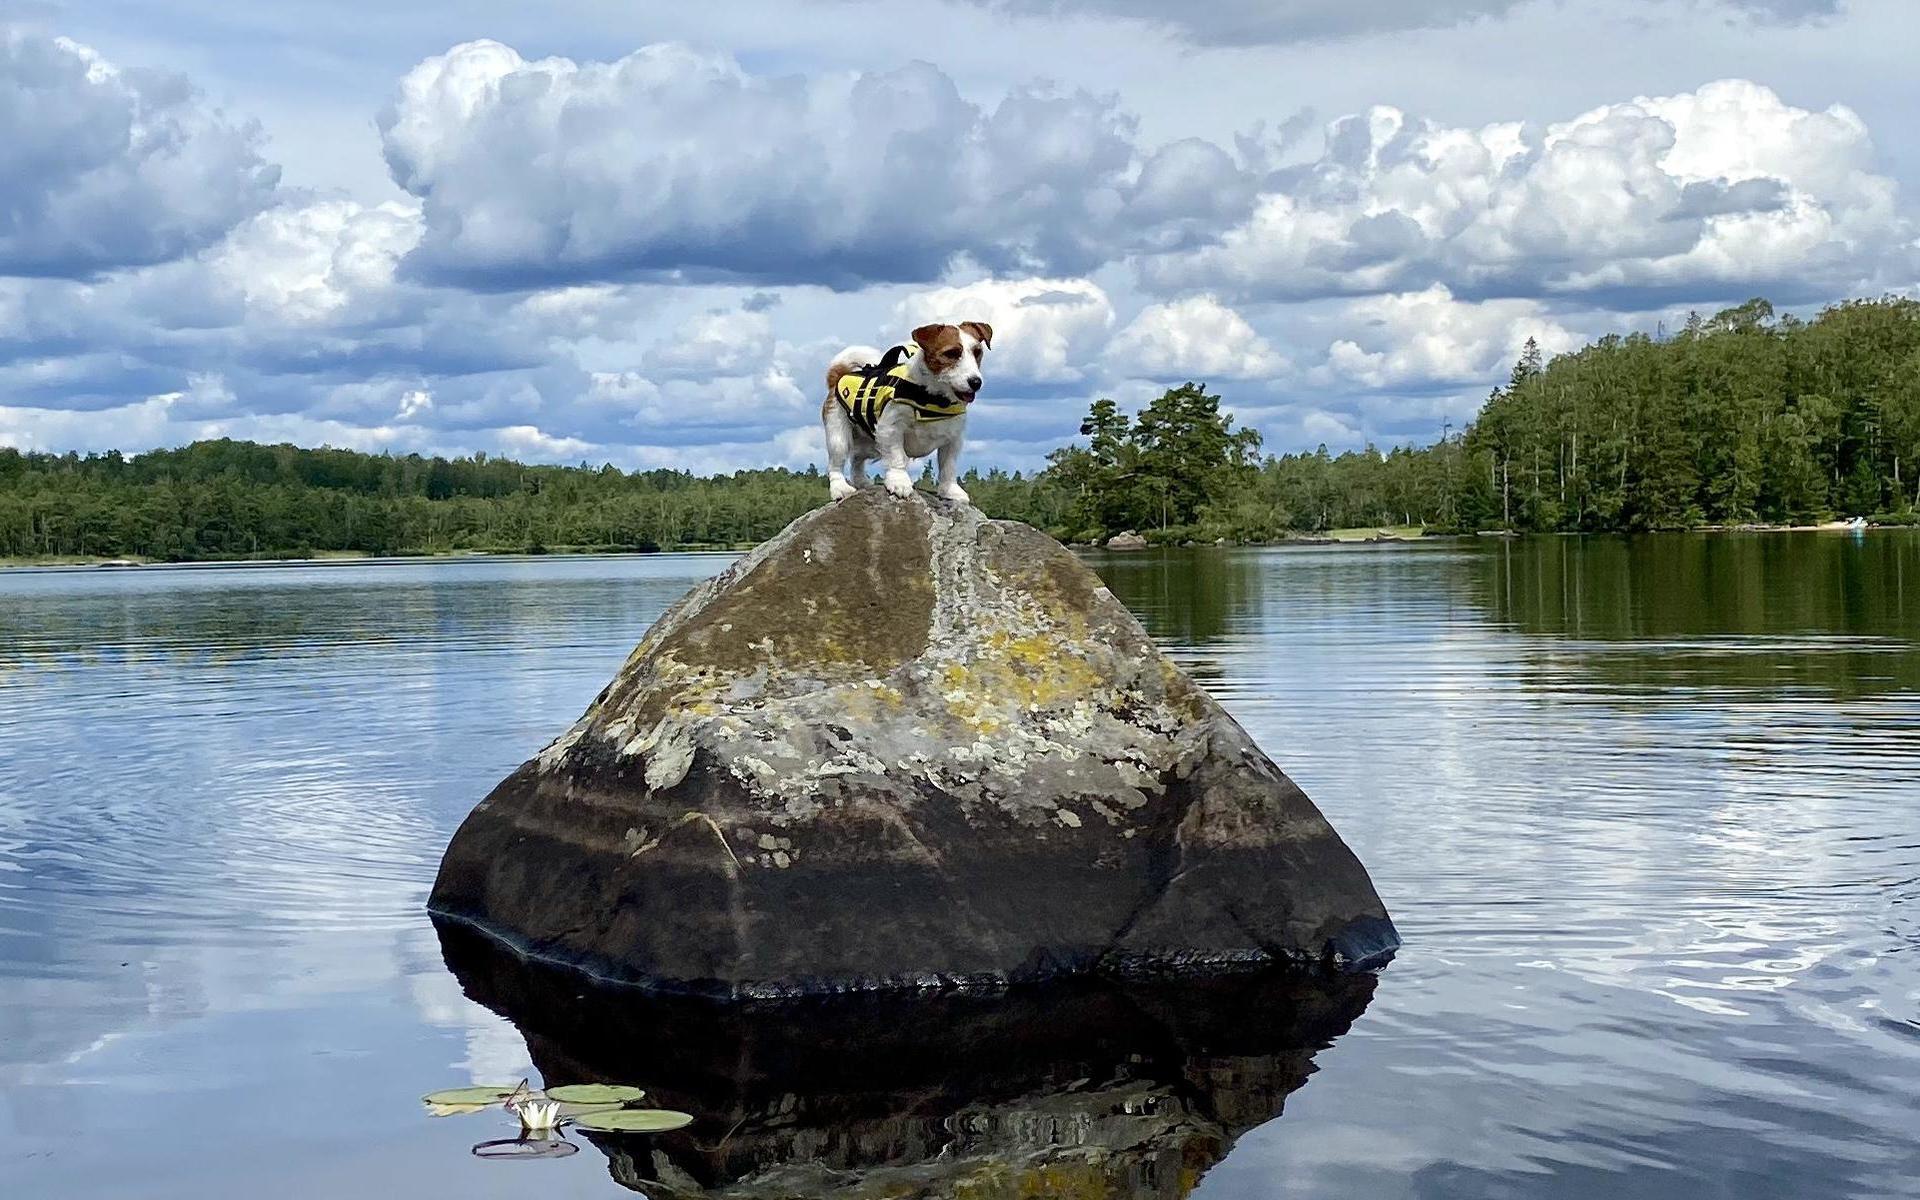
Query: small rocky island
x=900, y=745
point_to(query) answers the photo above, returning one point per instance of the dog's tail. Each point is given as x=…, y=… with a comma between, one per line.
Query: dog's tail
x=852, y=358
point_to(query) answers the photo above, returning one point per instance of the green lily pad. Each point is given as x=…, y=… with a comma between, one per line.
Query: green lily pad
x=594, y=1093
x=569, y=1108
x=635, y=1120
x=484, y=1095
x=455, y=1110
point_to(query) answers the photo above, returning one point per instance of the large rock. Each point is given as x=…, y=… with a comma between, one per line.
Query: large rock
x=902, y=745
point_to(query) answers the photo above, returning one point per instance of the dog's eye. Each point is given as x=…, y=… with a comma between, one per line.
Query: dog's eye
x=952, y=354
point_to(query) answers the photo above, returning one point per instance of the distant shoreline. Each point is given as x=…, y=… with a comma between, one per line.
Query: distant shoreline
x=1360, y=536
x=70, y=562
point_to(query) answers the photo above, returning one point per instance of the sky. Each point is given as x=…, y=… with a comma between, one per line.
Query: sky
x=635, y=233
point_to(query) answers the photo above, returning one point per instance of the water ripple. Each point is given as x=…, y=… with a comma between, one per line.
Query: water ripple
x=1644, y=812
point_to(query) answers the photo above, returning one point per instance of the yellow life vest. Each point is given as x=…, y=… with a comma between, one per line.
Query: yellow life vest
x=866, y=391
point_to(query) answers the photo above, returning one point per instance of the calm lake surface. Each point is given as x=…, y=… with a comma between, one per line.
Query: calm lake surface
x=1647, y=814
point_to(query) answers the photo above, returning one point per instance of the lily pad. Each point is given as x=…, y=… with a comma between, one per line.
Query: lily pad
x=455, y=1110
x=570, y=1109
x=483, y=1095
x=594, y=1093
x=635, y=1120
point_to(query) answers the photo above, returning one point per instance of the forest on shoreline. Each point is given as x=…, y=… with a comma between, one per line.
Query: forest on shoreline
x=1742, y=417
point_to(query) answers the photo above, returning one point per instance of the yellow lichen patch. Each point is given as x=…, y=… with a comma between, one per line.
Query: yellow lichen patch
x=866, y=701
x=1035, y=672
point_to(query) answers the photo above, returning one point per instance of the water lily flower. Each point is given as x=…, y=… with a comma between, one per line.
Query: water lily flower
x=537, y=1116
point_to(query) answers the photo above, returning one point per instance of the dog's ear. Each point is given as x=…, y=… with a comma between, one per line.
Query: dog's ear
x=981, y=330
x=925, y=335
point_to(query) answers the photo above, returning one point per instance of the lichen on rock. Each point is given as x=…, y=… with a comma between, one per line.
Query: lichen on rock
x=975, y=766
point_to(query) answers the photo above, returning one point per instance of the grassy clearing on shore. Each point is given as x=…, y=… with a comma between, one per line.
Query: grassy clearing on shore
x=1365, y=533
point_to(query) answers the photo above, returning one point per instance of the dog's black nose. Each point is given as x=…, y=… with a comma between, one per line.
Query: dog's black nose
x=973, y=383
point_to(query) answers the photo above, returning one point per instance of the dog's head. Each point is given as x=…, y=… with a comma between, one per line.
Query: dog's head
x=952, y=356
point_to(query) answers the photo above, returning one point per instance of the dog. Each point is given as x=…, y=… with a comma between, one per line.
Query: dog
x=904, y=404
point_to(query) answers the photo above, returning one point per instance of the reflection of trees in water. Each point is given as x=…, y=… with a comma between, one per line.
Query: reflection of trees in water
x=1187, y=596
x=1776, y=612
x=1828, y=612
x=1069, y=1089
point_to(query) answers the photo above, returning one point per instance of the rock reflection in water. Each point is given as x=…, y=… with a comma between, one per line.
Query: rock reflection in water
x=1064, y=1090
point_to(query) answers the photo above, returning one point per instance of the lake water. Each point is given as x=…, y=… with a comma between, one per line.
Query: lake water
x=1647, y=814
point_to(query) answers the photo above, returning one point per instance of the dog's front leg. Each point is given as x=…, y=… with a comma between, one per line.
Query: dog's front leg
x=891, y=439
x=950, y=488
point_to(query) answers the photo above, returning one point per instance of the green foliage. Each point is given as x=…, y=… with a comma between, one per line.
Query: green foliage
x=1743, y=417
x=1157, y=471
x=1740, y=418
x=238, y=500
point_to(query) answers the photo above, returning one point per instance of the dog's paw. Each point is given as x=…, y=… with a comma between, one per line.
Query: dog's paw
x=900, y=484
x=839, y=488
x=955, y=493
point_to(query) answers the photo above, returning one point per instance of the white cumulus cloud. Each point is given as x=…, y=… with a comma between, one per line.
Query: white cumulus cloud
x=1727, y=188
x=101, y=169
x=1428, y=337
x=306, y=263
x=527, y=441
x=715, y=343
x=1196, y=338
x=674, y=163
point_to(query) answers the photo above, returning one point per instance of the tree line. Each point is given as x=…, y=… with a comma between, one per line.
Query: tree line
x=1742, y=417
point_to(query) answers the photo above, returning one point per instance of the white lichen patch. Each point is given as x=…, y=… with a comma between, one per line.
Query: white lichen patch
x=668, y=752
x=556, y=750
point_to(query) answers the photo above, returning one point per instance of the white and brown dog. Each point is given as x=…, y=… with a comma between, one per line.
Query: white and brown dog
x=905, y=404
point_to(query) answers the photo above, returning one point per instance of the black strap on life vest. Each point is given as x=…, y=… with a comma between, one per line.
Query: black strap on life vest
x=903, y=389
